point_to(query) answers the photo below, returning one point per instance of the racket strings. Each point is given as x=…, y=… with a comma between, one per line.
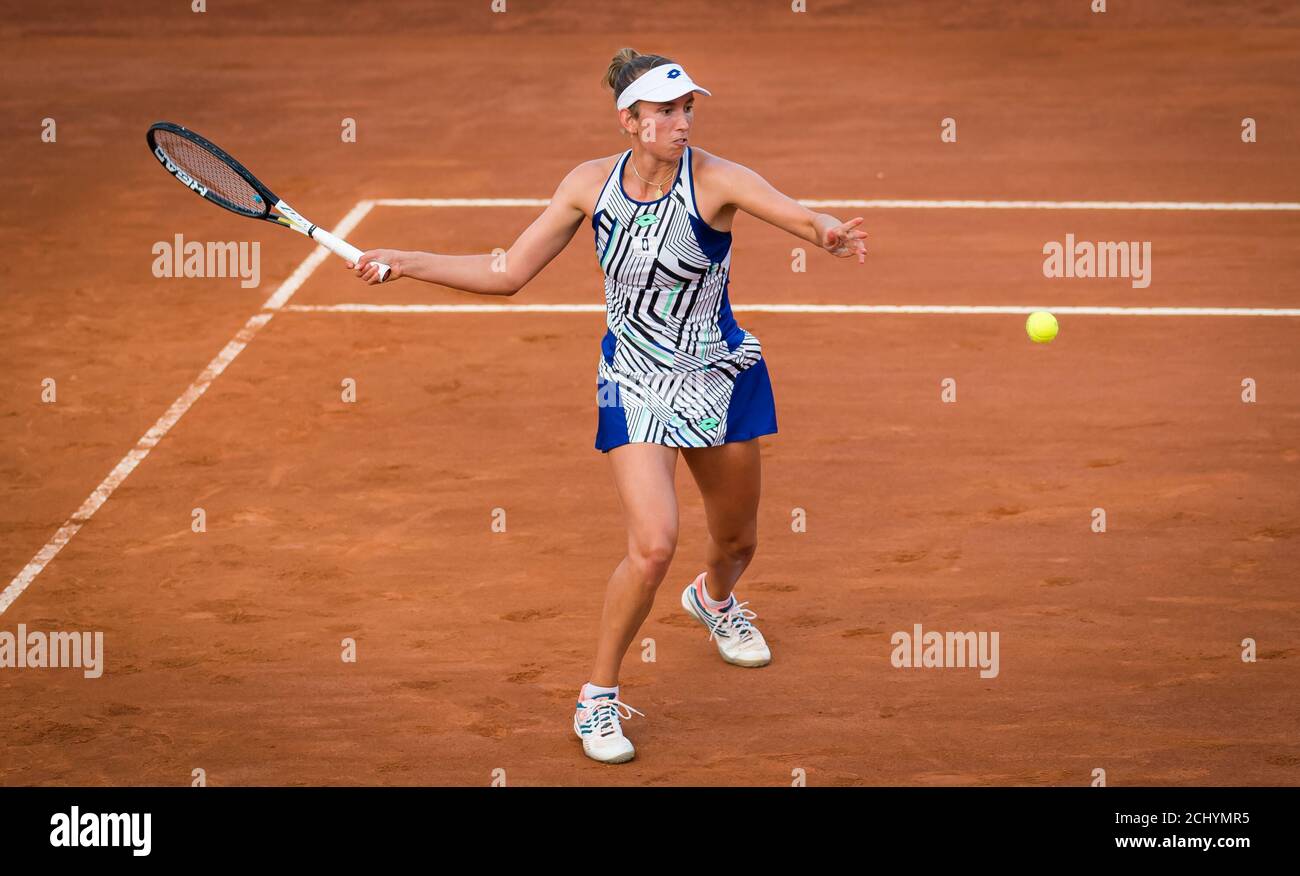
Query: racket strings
x=212, y=172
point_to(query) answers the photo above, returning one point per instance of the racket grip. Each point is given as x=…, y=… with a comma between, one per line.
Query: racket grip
x=341, y=247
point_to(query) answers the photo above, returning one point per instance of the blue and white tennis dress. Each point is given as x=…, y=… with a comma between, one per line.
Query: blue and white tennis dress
x=675, y=368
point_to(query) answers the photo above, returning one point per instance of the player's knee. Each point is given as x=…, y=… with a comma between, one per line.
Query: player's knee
x=738, y=548
x=652, y=555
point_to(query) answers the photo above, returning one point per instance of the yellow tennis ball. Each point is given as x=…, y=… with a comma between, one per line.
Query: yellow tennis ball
x=1041, y=327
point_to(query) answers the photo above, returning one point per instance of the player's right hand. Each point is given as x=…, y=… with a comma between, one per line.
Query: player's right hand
x=366, y=269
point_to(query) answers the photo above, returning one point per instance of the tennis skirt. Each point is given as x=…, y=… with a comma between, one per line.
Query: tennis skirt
x=663, y=410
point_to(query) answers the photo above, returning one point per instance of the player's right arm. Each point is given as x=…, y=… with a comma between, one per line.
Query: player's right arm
x=490, y=274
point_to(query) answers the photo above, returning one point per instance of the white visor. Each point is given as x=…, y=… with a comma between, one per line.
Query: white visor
x=659, y=85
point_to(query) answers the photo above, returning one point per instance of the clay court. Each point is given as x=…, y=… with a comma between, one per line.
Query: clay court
x=1120, y=650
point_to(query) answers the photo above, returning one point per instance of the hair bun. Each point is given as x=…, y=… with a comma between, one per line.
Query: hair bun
x=627, y=66
x=621, y=58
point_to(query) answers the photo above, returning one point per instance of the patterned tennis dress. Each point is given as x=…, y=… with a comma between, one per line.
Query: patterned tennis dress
x=675, y=368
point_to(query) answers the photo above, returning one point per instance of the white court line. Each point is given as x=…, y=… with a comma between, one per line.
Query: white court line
x=173, y=414
x=809, y=308
x=1195, y=206
x=1200, y=206
x=445, y=308
x=279, y=301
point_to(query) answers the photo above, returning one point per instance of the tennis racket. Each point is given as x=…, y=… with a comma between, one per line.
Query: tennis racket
x=206, y=169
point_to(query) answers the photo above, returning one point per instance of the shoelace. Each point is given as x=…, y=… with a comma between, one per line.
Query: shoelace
x=605, y=713
x=739, y=618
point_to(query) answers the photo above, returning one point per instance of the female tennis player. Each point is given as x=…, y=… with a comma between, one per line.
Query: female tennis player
x=675, y=373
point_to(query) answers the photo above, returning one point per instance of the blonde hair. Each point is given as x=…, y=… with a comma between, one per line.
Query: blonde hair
x=626, y=66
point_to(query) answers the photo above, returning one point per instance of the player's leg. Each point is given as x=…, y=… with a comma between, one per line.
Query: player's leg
x=643, y=474
x=729, y=477
x=730, y=481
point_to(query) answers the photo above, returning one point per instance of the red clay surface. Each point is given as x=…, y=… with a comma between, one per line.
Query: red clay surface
x=372, y=520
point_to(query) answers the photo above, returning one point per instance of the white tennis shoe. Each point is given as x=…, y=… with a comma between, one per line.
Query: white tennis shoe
x=739, y=641
x=596, y=723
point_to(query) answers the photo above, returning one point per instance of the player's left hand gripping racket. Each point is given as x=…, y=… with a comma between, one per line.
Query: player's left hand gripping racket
x=206, y=169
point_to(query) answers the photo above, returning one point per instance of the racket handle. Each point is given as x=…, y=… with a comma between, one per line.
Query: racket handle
x=341, y=247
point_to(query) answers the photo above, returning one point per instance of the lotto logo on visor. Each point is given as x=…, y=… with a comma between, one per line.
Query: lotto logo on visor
x=660, y=85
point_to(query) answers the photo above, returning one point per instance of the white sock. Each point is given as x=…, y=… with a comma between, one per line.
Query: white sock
x=590, y=690
x=708, y=600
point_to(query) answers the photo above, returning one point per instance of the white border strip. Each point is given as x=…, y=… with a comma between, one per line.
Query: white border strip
x=809, y=308
x=1194, y=206
x=174, y=413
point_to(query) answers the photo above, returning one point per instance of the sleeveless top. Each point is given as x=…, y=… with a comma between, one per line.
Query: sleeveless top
x=672, y=345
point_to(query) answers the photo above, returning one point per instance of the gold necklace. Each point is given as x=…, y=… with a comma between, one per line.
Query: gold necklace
x=659, y=187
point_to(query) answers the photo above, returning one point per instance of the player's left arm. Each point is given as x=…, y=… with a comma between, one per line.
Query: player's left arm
x=748, y=191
